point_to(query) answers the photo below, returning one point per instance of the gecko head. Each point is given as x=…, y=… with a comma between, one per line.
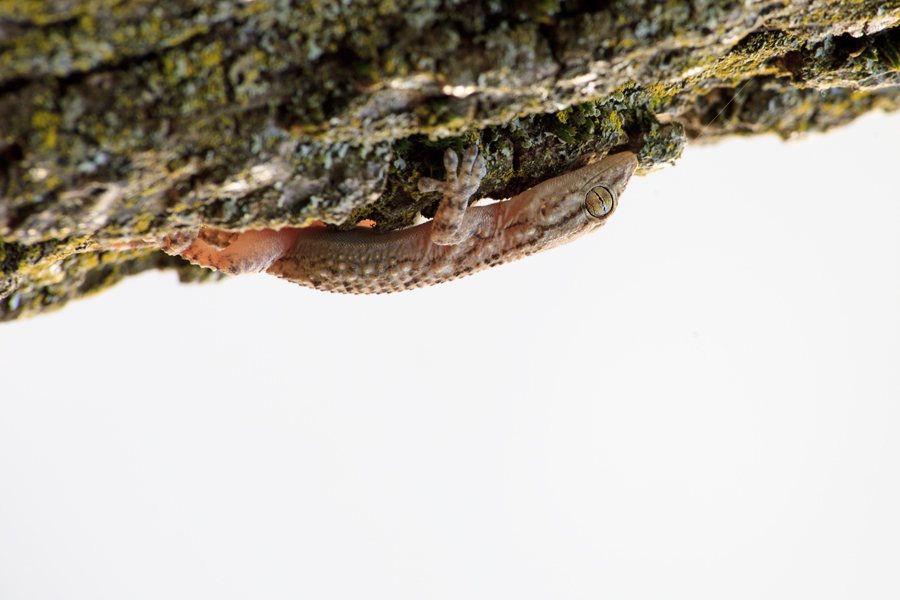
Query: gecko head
x=578, y=202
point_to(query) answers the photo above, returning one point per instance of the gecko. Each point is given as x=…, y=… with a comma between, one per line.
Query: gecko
x=459, y=240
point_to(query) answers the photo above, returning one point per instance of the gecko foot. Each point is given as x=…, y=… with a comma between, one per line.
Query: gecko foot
x=176, y=243
x=461, y=184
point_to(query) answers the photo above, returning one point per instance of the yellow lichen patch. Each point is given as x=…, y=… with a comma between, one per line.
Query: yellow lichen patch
x=35, y=11
x=141, y=224
x=211, y=55
x=48, y=124
x=48, y=269
x=88, y=24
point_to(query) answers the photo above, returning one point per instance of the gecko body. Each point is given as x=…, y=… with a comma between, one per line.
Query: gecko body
x=459, y=241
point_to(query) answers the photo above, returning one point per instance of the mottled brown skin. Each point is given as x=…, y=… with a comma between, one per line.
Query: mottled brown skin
x=459, y=241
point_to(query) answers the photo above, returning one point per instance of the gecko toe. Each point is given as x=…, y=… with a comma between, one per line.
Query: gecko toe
x=451, y=162
x=480, y=167
x=470, y=159
x=427, y=184
x=473, y=168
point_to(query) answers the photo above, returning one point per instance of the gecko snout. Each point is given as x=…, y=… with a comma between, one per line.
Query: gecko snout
x=617, y=170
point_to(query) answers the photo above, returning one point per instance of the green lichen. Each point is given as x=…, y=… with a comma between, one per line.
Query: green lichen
x=526, y=151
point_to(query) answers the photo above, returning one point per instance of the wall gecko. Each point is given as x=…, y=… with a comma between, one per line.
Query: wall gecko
x=459, y=241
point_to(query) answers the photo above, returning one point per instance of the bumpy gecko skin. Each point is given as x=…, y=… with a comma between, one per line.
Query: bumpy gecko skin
x=459, y=241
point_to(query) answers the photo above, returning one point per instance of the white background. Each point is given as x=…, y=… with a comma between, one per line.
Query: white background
x=700, y=401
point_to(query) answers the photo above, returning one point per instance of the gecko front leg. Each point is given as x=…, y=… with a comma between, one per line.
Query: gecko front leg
x=256, y=251
x=447, y=228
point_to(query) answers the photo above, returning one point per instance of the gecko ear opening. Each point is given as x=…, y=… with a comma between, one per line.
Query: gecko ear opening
x=600, y=201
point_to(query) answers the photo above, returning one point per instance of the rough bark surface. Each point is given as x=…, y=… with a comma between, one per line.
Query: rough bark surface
x=129, y=119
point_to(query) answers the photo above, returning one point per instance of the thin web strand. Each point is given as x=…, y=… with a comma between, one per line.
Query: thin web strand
x=719, y=114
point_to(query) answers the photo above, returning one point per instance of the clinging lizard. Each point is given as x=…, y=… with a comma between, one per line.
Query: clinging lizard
x=459, y=240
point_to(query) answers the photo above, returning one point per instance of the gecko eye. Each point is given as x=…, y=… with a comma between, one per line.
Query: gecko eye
x=599, y=201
